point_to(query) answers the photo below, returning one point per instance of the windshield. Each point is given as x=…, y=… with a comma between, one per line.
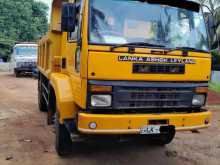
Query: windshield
x=125, y=21
x=25, y=51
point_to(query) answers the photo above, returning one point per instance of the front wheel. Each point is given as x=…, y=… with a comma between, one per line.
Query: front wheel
x=166, y=137
x=63, y=139
x=17, y=74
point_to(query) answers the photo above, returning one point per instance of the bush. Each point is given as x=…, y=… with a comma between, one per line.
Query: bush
x=216, y=59
x=5, y=49
x=215, y=87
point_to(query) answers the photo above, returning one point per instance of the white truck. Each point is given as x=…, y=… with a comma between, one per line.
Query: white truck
x=24, y=58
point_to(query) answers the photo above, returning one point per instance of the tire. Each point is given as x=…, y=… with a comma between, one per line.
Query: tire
x=17, y=74
x=51, y=108
x=41, y=102
x=63, y=141
x=50, y=117
x=164, y=138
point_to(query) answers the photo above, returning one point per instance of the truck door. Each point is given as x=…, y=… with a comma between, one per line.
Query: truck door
x=72, y=53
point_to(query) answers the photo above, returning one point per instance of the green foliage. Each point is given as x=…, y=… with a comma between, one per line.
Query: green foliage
x=215, y=59
x=216, y=54
x=21, y=21
x=215, y=87
x=5, y=48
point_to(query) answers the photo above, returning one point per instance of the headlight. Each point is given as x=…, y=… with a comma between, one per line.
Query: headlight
x=198, y=100
x=101, y=100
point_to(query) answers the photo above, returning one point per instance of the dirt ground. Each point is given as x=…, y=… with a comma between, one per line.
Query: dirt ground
x=25, y=139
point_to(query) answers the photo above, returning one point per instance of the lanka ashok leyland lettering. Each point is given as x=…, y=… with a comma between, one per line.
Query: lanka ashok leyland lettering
x=124, y=68
x=156, y=59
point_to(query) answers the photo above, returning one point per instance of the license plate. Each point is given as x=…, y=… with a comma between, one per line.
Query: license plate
x=150, y=129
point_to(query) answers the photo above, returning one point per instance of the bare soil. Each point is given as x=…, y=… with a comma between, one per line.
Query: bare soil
x=25, y=139
x=214, y=98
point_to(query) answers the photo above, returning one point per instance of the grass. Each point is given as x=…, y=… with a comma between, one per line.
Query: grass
x=215, y=87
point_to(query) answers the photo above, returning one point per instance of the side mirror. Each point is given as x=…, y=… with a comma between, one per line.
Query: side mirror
x=216, y=60
x=68, y=20
x=211, y=27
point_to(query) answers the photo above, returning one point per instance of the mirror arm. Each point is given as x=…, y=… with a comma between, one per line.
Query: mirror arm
x=79, y=42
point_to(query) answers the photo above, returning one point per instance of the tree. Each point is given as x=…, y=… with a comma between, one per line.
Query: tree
x=5, y=48
x=21, y=21
x=211, y=4
x=213, y=22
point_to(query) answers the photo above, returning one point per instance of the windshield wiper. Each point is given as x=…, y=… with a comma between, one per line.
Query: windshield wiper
x=137, y=44
x=187, y=49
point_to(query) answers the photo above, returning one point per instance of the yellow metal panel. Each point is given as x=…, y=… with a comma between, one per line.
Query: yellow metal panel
x=105, y=66
x=76, y=82
x=56, y=16
x=84, y=50
x=131, y=123
x=64, y=95
x=84, y=93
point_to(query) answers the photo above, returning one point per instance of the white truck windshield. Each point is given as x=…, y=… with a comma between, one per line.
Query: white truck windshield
x=25, y=51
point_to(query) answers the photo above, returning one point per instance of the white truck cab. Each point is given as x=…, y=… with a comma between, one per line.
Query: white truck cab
x=24, y=58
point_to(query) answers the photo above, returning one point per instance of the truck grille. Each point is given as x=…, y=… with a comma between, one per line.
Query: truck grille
x=26, y=64
x=149, y=98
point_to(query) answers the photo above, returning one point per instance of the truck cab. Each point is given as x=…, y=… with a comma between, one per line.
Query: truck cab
x=124, y=68
x=24, y=58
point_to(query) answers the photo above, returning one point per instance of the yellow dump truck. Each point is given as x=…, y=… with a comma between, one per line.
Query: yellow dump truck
x=124, y=68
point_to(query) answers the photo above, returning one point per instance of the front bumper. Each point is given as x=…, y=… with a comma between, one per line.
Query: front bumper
x=131, y=123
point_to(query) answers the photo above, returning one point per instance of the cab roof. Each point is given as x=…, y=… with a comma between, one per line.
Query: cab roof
x=26, y=44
